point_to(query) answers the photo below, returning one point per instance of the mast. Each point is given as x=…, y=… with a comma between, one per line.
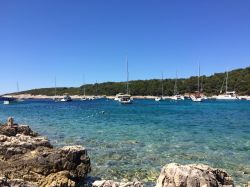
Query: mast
x=83, y=83
x=199, y=79
x=175, y=85
x=162, y=84
x=127, y=75
x=17, y=86
x=96, y=87
x=55, y=86
x=226, y=82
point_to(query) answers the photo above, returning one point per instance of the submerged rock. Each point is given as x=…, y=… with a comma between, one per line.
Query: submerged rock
x=110, y=183
x=193, y=175
x=27, y=159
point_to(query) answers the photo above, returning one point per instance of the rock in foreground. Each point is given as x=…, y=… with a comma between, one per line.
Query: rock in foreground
x=27, y=159
x=193, y=175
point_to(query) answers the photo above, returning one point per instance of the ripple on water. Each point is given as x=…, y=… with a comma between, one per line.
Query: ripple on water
x=137, y=140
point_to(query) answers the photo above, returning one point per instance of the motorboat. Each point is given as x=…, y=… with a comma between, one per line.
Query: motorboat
x=66, y=98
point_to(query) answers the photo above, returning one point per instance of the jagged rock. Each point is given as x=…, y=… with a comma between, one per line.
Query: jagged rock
x=110, y=183
x=15, y=183
x=16, y=129
x=19, y=140
x=26, y=156
x=193, y=175
x=57, y=179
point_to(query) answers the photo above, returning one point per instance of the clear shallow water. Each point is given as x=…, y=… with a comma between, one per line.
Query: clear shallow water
x=135, y=141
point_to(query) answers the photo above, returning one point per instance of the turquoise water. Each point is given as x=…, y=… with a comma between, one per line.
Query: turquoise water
x=135, y=141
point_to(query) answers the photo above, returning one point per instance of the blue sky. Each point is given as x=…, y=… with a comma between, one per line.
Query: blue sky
x=46, y=38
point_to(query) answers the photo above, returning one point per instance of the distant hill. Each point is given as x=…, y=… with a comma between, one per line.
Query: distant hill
x=239, y=80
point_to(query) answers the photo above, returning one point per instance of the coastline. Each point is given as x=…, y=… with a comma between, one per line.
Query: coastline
x=29, y=96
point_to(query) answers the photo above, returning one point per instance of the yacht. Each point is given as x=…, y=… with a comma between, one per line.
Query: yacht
x=197, y=96
x=228, y=95
x=84, y=98
x=126, y=98
x=176, y=95
x=19, y=100
x=162, y=92
x=66, y=98
x=6, y=102
x=158, y=98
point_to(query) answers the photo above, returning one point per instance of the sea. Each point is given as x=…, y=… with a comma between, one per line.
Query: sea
x=127, y=142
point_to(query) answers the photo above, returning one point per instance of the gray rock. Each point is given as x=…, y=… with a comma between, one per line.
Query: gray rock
x=27, y=159
x=110, y=183
x=193, y=175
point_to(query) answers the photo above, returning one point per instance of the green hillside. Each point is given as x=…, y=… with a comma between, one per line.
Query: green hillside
x=239, y=80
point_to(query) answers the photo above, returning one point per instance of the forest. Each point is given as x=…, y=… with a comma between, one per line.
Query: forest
x=239, y=80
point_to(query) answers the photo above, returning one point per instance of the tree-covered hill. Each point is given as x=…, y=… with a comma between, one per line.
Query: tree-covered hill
x=239, y=80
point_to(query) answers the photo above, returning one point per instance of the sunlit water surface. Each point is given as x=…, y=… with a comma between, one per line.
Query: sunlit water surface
x=135, y=141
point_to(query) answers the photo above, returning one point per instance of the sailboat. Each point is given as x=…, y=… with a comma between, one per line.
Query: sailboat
x=84, y=98
x=126, y=98
x=228, y=95
x=197, y=96
x=160, y=98
x=18, y=90
x=176, y=95
x=55, y=96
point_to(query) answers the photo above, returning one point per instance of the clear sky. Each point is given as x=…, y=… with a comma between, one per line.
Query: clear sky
x=41, y=39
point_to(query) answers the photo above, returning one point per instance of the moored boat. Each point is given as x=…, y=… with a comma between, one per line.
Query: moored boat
x=176, y=95
x=66, y=98
x=126, y=98
x=228, y=95
x=162, y=91
x=197, y=96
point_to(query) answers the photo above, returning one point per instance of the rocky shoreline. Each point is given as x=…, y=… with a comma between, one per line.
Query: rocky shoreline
x=29, y=160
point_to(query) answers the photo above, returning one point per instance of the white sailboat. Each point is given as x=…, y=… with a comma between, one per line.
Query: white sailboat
x=18, y=90
x=84, y=98
x=176, y=95
x=56, y=99
x=160, y=98
x=126, y=98
x=228, y=95
x=197, y=96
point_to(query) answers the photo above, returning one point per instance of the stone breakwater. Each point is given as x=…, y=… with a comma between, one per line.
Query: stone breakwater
x=29, y=160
